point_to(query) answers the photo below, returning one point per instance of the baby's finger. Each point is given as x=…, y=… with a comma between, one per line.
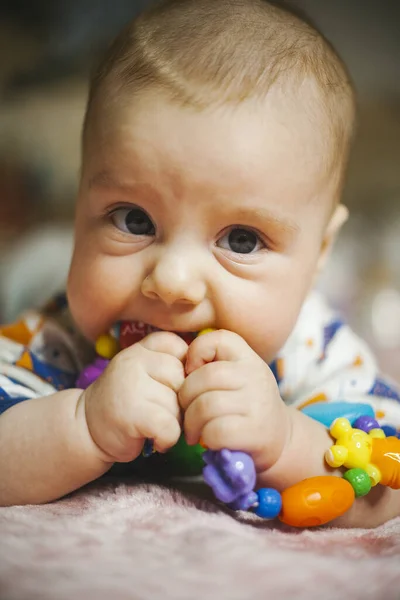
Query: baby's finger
x=216, y=345
x=229, y=432
x=166, y=343
x=207, y=407
x=216, y=376
x=159, y=425
x=164, y=397
x=166, y=369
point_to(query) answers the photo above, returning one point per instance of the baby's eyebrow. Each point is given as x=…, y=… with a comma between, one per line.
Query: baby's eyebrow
x=104, y=179
x=107, y=181
x=263, y=215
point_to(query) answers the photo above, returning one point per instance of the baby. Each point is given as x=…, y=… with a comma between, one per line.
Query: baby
x=215, y=146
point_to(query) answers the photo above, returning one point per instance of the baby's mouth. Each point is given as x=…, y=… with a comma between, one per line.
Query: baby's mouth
x=132, y=332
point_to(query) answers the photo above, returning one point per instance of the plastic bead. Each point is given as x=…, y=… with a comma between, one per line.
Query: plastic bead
x=353, y=446
x=269, y=503
x=366, y=423
x=389, y=430
x=386, y=456
x=327, y=412
x=184, y=459
x=316, y=501
x=148, y=448
x=91, y=373
x=377, y=433
x=204, y=331
x=107, y=346
x=359, y=481
x=232, y=476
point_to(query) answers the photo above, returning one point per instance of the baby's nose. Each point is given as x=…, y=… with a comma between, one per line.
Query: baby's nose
x=175, y=279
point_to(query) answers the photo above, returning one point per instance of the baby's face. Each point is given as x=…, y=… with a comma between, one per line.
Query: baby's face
x=187, y=220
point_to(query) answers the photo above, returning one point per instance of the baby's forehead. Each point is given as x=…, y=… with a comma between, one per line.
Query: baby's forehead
x=296, y=123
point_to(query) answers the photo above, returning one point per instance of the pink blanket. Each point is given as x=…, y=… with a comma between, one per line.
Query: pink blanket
x=120, y=541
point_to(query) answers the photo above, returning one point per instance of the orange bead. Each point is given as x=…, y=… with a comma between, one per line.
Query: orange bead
x=386, y=456
x=316, y=501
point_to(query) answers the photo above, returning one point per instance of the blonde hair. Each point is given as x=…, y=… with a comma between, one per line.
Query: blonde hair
x=205, y=53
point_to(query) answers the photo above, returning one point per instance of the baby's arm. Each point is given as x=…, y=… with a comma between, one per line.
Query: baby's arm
x=46, y=450
x=52, y=445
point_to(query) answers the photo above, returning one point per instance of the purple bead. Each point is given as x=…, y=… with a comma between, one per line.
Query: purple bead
x=366, y=423
x=91, y=373
x=244, y=502
x=231, y=475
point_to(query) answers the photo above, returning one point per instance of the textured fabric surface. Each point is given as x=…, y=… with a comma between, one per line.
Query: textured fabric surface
x=124, y=541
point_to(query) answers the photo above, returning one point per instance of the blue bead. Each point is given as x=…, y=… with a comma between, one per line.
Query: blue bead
x=389, y=430
x=148, y=448
x=269, y=503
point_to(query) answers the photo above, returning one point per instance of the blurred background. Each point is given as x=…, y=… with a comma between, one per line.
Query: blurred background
x=47, y=49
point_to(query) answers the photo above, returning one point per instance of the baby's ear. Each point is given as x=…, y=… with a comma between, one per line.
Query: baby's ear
x=337, y=220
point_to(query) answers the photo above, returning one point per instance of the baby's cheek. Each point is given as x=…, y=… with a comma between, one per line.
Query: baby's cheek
x=281, y=319
x=267, y=336
x=87, y=297
x=100, y=290
x=79, y=303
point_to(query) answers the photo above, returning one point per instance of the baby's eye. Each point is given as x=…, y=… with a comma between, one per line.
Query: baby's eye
x=133, y=220
x=241, y=241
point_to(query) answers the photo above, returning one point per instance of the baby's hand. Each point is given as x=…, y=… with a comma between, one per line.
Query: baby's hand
x=231, y=400
x=136, y=398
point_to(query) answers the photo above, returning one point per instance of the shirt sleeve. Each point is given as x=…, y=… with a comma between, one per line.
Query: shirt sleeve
x=40, y=354
x=325, y=361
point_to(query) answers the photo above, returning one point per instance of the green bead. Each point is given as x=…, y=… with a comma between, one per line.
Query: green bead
x=185, y=460
x=359, y=480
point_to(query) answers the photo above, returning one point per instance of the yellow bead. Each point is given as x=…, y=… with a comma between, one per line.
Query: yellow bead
x=377, y=433
x=374, y=474
x=107, y=346
x=206, y=330
x=336, y=456
x=340, y=427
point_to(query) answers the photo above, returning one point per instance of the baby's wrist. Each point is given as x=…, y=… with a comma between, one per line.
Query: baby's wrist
x=88, y=430
x=276, y=440
x=302, y=454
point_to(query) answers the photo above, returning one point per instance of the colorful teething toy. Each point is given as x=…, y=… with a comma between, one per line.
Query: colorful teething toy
x=369, y=456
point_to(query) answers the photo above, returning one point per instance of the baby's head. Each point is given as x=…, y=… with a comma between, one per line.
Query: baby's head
x=214, y=149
